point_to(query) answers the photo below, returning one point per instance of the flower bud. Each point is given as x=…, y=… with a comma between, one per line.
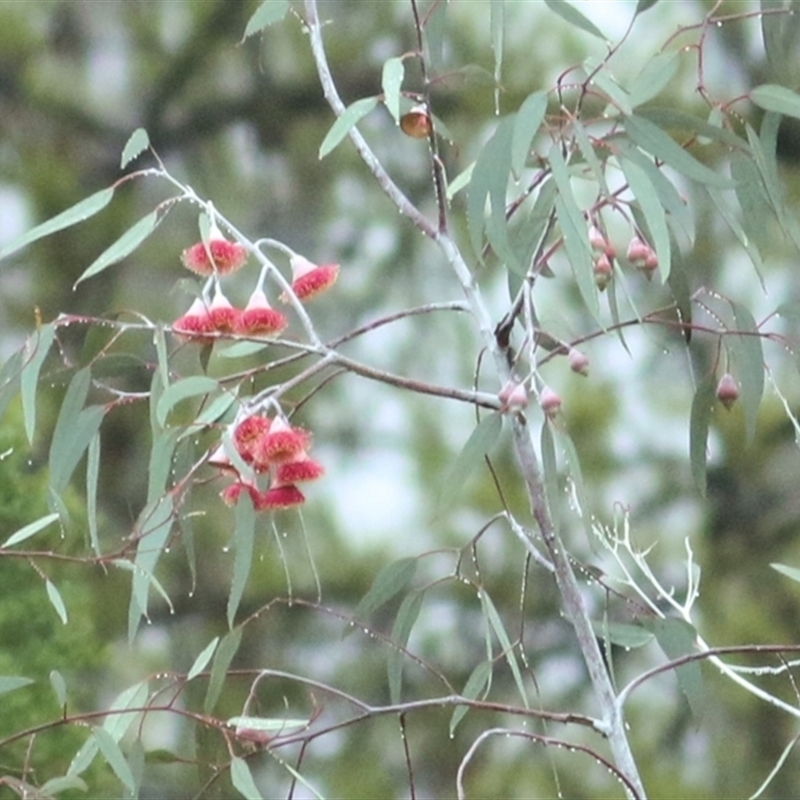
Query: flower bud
x=599, y=243
x=512, y=397
x=727, y=390
x=603, y=272
x=550, y=402
x=578, y=362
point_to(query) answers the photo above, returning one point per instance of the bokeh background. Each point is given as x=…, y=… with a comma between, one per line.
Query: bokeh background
x=241, y=122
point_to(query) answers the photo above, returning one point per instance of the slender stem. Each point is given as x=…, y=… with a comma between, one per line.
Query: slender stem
x=612, y=724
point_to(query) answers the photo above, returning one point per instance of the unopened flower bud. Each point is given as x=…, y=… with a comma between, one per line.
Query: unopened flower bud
x=599, y=243
x=603, y=272
x=578, y=362
x=512, y=397
x=727, y=390
x=642, y=256
x=550, y=402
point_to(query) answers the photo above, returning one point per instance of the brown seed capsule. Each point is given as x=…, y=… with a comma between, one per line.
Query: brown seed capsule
x=417, y=122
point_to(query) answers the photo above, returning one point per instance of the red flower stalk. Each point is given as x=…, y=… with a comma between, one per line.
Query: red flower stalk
x=224, y=317
x=194, y=323
x=217, y=255
x=309, y=279
x=299, y=469
x=259, y=318
x=282, y=443
x=281, y=496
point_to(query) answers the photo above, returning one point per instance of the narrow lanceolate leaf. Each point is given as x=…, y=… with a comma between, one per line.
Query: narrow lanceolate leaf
x=243, y=537
x=242, y=779
x=603, y=80
x=678, y=638
x=655, y=141
x=182, y=390
x=497, y=25
x=9, y=683
x=472, y=456
x=29, y=530
x=268, y=13
x=138, y=142
x=54, y=596
x=404, y=621
x=575, y=233
x=392, y=81
x=702, y=405
x=780, y=26
x=654, y=78
x=9, y=380
x=393, y=579
x=124, y=246
x=550, y=472
x=160, y=467
x=92, y=475
x=527, y=122
x=574, y=17
x=777, y=98
x=68, y=447
x=757, y=212
x=201, y=662
x=219, y=668
x=114, y=757
x=345, y=123
x=789, y=572
x=495, y=623
x=59, y=687
x=643, y=5
x=748, y=356
x=36, y=349
x=77, y=213
x=654, y=214
x=477, y=685
x=152, y=529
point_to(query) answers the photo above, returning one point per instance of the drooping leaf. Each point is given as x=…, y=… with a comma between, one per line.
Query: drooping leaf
x=404, y=621
x=73, y=215
x=9, y=683
x=702, y=405
x=243, y=538
x=678, y=638
x=527, y=122
x=393, y=579
x=789, y=572
x=590, y=156
x=349, y=118
x=575, y=232
x=747, y=353
x=54, y=596
x=242, y=779
x=574, y=17
x=496, y=624
x=268, y=13
x=124, y=246
x=478, y=684
x=757, y=213
x=9, y=380
x=654, y=78
x=777, y=98
x=182, y=390
x=201, y=662
x=29, y=530
x=653, y=212
x=115, y=757
x=138, y=142
x=655, y=141
x=394, y=71
x=152, y=530
x=160, y=466
x=531, y=235
x=669, y=117
x=550, y=472
x=92, y=475
x=36, y=349
x=219, y=667
x=62, y=783
x=59, y=687
x=603, y=80
x=211, y=413
x=643, y=5
x=472, y=455
x=435, y=30
x=780, y=26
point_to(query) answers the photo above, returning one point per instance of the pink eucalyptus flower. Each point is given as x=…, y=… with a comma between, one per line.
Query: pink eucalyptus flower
x=224, y=317
x=259, y=318
x=299, y=469
x=194, y=323
x=280, y=496
x=230, y=494
x=282, y=443
x=218, y=255
x=309, y=279
x=247, y=433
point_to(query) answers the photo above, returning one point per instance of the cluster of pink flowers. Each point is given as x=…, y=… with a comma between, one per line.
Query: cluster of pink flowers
x=218, y=257
x=271, y=447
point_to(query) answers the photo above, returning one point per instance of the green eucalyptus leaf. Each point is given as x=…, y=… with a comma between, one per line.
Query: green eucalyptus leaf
x=747, y=352
x=115, y=757
x=182, y=390
x=54, y=596
x=29, y=530
x=392, y=82
x=406, y=617
x=226, y=650
x=702, y=406
x=527, y=122
x=654, y=78
x=201, y=662
x=36, y=349
x=777, y=98
x=73, y=215
x=478, y=684
x=393, y=579
x=789, y=572
x=574, y=17
x=9, y=683
x=496, y=625
x=242, y=779
x=138, y=142
x=268, y=13
x=345, y=123
x=243, y=540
